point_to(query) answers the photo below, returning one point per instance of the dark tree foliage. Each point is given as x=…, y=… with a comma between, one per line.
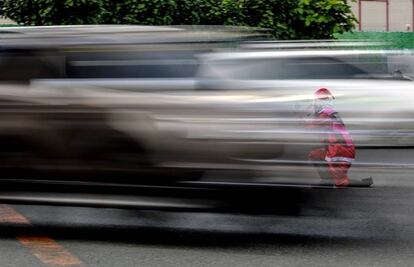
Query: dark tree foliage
x=286, y=19
x=53, y=12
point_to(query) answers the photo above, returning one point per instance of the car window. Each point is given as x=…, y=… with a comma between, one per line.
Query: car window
x=284, y=68
x=170, y=64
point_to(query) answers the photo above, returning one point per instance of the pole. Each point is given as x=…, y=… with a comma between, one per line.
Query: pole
x=360, y=15
x=387, y=12
x=412, y=16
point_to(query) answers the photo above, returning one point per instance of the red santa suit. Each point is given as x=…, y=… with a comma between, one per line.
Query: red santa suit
x=338, y=151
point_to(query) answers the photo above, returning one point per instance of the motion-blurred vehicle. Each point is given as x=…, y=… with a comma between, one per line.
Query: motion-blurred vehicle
x=226, y=120
x=110, y=51
x=369, y=93
x=245, y=110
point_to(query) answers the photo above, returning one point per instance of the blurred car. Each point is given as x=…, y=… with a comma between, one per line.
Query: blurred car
x=362, y=80
x=230, y=119
x=245, y=110
x=109, y=51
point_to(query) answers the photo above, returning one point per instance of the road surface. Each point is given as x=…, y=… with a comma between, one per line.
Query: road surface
x=351, y=227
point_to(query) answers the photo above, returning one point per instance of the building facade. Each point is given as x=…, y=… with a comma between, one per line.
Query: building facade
x=384, y=15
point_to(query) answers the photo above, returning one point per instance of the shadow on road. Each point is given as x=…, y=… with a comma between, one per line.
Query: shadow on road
x=178, y=237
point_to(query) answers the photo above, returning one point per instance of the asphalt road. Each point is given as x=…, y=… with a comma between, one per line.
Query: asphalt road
x=350, y=227
x=361, y=227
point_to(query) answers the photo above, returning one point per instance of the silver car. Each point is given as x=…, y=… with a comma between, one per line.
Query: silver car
x=245, y=110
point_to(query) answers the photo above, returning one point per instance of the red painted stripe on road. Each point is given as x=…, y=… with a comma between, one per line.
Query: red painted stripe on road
x=9, y=215
x=46, y=249
x=49, y=251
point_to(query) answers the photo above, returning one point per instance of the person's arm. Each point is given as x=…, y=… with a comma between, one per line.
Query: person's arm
x=324, y=125
x=322, y=121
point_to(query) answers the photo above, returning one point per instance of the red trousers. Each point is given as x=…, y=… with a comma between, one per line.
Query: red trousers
x=337, y=171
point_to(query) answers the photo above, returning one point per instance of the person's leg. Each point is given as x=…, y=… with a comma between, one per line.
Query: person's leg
x=339, y=173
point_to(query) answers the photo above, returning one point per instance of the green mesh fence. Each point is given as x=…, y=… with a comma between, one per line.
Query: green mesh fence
x=395, y=40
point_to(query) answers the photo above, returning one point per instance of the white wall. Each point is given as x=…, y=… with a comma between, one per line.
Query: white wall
x=374, y=15
x=400, y=15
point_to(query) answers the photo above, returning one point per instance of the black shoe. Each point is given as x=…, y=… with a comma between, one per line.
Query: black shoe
x=366, y=182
